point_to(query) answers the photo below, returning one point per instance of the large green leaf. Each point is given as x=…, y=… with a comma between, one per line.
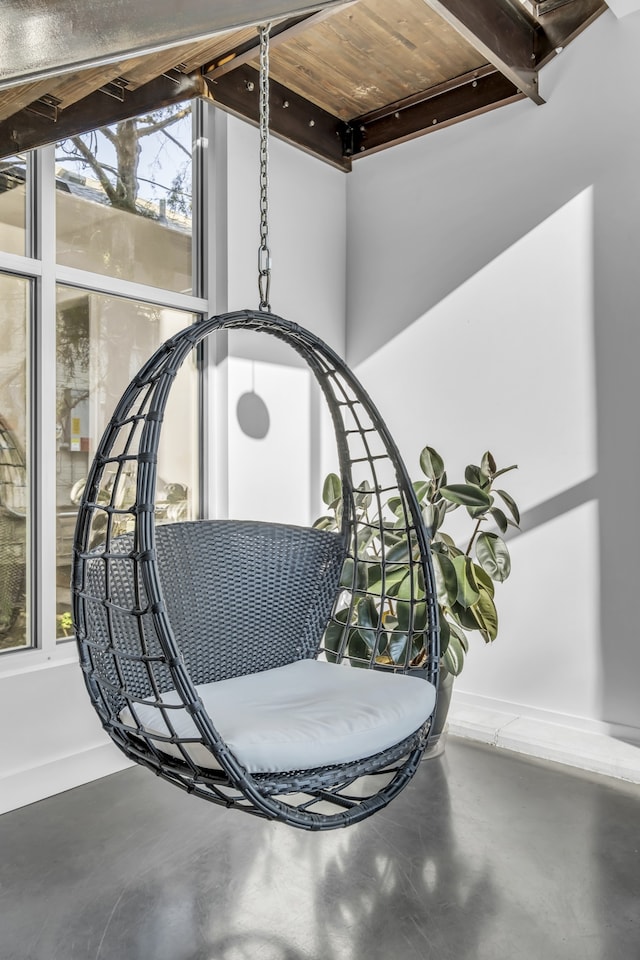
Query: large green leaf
x=463, y=617
x=511, y=504
x=446, y=578
x=334, y=634
x=488, y=464
x=368, y=621
x=473, y=474
x=493, y=556
x=468, y=592
x=487, y=616
x=393, y=577
x=421, y=488
x=403, y=613
x=363, y=495
x=325, y=523
x=449, y=542
x=353, y=576
x=433, y=515
x=453, y=657
x=467, y=494
x=396, y=645
x=484, y=580
x=476, y=512
x=364, y=537
x=391, y=536
x=445, y=633
x=499, y=518
x=332, y=489
x=405, y=589
x=431, y=464
x=358, y=647
x=398, y=553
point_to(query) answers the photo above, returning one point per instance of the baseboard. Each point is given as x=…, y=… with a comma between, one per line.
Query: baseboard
x=21, y=787
x=588, y=746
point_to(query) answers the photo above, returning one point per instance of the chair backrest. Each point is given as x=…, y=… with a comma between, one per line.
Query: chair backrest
x=241, y=597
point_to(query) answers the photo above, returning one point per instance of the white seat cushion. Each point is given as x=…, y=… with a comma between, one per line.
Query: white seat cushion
x=304, y=715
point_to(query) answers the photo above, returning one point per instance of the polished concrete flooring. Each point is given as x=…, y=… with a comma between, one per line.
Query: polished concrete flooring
x=486, y=855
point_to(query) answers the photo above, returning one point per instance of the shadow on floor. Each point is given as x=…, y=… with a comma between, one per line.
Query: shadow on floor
x=486, y=855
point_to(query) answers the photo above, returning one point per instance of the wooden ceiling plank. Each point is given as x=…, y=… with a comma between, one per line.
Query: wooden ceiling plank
x=27, y=130
x=73, y=87
x=500, y=31
x=442, y=107
x=189, y=56
x=17, y=98
x=376, y=52
x=246, y=50
x=214, y=47
x=291, y=117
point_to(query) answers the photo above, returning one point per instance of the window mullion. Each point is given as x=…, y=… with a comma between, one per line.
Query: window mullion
x=43, y=412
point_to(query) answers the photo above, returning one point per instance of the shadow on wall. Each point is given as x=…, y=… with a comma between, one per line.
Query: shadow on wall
x=534, y=358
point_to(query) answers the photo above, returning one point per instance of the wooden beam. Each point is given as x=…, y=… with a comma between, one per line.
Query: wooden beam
x=562, y=24
x=502, y=32
x=291, y=117
x=468, y=96
x=27, y=130
x=49, y=37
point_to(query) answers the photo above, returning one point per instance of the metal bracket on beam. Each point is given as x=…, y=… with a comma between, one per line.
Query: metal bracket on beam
x=469, y=95
x=347, y=135
x=46, y=107
x=291, y=117
x=115, y=88
x=176, y=74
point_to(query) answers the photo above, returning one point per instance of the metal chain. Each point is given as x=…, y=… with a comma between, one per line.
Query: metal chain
x=264, y=255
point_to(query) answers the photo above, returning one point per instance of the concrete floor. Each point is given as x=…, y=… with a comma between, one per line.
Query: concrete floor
x=486, y=855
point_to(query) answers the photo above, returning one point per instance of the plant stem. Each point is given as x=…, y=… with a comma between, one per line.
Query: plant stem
x=473, y=536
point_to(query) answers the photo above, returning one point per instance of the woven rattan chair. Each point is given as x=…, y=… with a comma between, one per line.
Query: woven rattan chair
x=13, y=517
x=221, y=654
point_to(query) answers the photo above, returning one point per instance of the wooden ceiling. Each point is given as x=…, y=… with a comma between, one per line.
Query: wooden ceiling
x=346, y=79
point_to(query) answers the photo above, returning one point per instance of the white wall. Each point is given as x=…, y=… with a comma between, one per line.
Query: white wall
x=279, y=477
x=493, y=292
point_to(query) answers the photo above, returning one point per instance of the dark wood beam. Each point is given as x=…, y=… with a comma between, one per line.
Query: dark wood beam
x=44, y=38
x=280, y=32
x=291, y=117
x=26, y=130
x=476, y=92
x=562, y=24
x=502, y=32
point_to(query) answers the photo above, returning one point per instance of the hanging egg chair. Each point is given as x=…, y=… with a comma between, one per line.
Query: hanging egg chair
x=285, y=671
x=223, y=654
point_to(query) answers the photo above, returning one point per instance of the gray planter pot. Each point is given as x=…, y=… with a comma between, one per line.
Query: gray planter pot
x=439, y=730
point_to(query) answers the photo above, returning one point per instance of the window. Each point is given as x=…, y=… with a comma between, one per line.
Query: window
x=13, y=204
x=14, y=464
x=111, y=280
x=123, y=200
x=101, y=342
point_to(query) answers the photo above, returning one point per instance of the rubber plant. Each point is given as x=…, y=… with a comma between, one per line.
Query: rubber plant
x=466, y=572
